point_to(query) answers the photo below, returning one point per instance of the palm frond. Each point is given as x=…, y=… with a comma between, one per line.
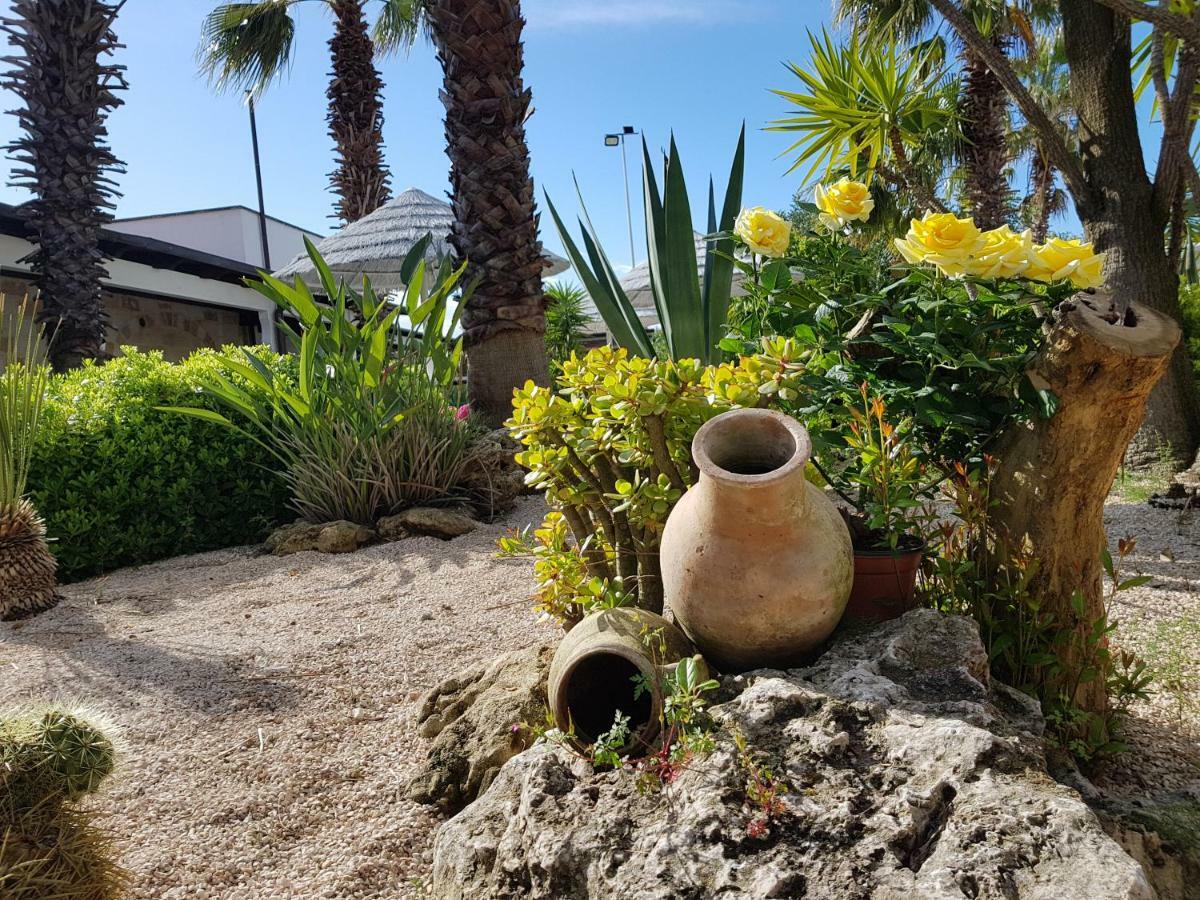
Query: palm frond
x=399, y=23
x=247, y=45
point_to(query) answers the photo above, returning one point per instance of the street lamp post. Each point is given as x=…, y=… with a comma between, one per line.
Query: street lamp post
x=615, y=140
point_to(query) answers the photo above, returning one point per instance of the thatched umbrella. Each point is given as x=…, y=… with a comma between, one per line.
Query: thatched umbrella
x=638, y=288
x=375, y=246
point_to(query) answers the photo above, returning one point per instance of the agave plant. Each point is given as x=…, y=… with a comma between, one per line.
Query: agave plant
x=692, y=309
x=367, y=427
x=27, y=568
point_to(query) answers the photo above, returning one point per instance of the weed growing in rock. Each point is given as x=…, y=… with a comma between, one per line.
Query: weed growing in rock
x=764, y=789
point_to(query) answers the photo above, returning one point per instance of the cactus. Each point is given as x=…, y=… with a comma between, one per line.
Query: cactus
x=50, y=758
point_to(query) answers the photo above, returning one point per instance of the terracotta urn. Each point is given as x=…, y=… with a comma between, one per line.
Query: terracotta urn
x=597, y=669
x=756, y=562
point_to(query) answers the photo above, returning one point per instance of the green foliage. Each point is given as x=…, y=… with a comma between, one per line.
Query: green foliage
x=973, y=570
x=764, y=788
x=606, y=752
x=894, y=493
x=49, y=846
x=22, y=397
x=1189, y=307
x=947, y=355
x=120, y=483
x=367, y=427
x=863, y=103
x=691, y=309
x=611, y=449
x=565, y=320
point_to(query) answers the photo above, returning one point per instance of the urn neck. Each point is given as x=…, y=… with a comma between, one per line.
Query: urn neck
x=753, y=461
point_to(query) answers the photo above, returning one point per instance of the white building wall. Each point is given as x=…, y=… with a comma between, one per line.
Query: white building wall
x=231, y=233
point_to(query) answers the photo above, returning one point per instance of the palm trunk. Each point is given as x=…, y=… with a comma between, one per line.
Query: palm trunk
x=1042, y=171
x=984, y=112
x=496, y=225
x=66, y=92
x=356, y=115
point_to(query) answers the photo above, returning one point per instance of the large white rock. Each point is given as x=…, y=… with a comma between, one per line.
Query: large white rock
x=910, y=777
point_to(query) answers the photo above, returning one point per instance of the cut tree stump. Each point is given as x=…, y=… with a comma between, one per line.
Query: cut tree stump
x=1054, y=474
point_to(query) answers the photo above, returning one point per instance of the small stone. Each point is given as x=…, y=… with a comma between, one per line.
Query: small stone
x=294, y=538
x=391, y=528
x=440, y=523
x=343, y=537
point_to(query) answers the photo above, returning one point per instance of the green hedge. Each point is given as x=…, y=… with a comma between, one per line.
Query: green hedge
x=120, y=483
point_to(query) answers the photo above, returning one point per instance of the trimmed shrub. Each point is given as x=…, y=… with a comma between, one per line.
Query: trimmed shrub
x=120, y=483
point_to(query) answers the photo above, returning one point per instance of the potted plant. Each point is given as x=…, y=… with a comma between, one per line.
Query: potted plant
x=893, y=504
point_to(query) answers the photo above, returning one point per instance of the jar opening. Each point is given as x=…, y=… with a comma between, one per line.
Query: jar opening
x=601, y=686
x=751, y=443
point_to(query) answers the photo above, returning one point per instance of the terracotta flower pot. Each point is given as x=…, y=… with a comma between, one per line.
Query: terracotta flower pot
x=885, y=583
x=591, y=675
x=756, y=562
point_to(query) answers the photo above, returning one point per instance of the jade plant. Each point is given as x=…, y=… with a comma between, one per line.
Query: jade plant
x=610, y=446
x=51, y=758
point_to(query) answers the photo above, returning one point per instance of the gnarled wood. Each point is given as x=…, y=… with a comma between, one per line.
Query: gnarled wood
x=1054, y=474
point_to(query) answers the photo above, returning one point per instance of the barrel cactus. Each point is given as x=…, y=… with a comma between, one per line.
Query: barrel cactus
x=50, y=758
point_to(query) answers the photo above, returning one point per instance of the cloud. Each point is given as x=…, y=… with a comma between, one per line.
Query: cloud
x=567, y=14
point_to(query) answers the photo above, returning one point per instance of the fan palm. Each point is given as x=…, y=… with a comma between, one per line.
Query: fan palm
x=27, y=569
x=66, y=90
x=248, y=45
x=496, y=227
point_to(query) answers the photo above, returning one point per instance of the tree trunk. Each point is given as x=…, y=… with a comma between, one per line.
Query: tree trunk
x=356, y=115
x=67, y=90
x=984, y=112
x=496, y=224
x=1121, y=213
x=1042, y=171
x=1054, y=474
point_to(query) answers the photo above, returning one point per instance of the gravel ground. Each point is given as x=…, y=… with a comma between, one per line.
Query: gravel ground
x=268, y=702
x=268, y=705
x=1160, y=621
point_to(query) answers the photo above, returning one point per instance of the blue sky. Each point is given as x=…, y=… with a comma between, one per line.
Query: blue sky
x=698, y=67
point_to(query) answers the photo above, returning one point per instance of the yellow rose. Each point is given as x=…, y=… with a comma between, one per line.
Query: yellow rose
x=843, y=202
x=763, y=231
x=943, y=240
x=1003, y=254
x=1067, y=260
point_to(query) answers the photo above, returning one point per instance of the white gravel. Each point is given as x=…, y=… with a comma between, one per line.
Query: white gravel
x=1160, y=621
x=268, y=701
x=268, y=704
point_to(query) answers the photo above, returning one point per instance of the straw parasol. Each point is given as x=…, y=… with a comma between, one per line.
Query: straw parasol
x=375, y=245
x=640, y=291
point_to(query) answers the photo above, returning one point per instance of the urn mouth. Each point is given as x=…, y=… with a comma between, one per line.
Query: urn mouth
x=751, y=447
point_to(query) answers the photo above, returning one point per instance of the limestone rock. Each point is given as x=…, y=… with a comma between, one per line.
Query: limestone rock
x=475, y=719
x=909, y=776
x=343, y=537
x=294, y=538
x=1163, y=834
x=391, y=528
x=441, y=523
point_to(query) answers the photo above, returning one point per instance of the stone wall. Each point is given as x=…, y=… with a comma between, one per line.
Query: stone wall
x=175, y=327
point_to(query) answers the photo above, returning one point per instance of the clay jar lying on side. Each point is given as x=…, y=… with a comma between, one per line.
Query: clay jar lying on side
x=756, y=562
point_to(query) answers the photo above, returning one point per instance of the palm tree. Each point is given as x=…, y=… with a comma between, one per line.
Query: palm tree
x=983, y=107
x=1044, y=72
x=496, y=223
x=66, y=90
x=27, y=568
x=248, y=45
